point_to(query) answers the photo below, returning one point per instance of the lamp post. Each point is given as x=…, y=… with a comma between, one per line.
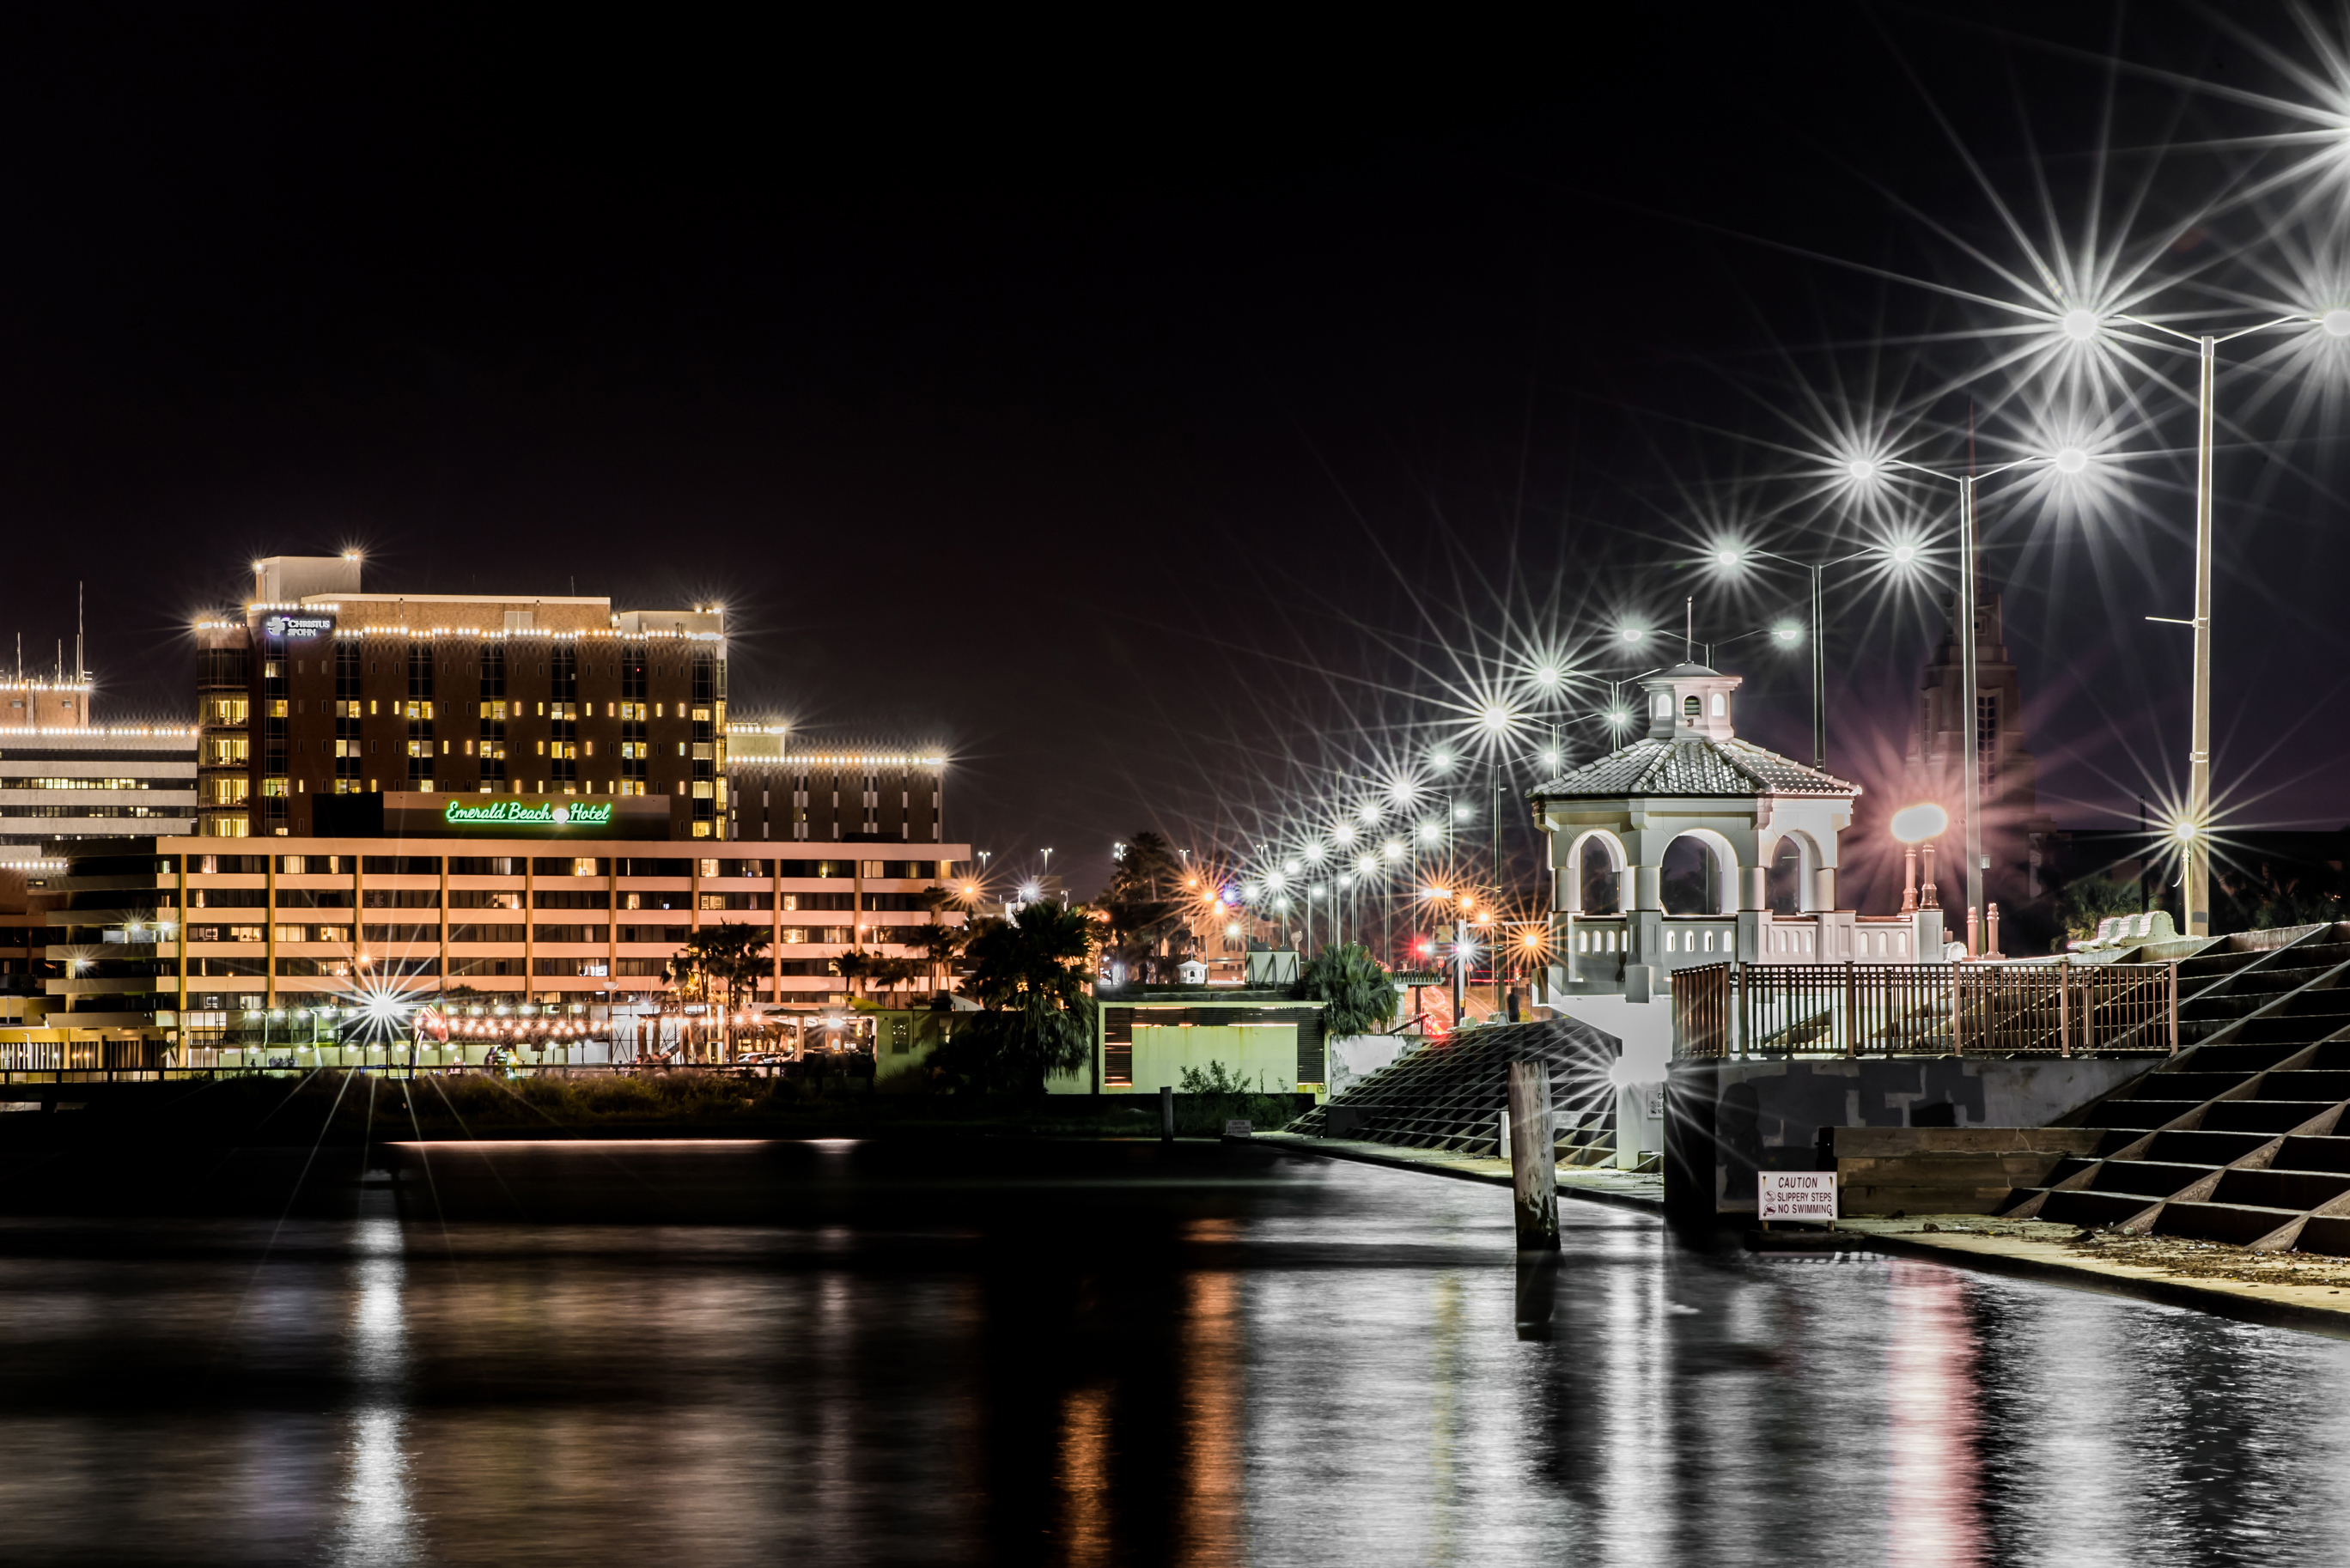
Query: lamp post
x=1733, y=558
x=1393, y=852
x=2072, y=460
x=2082, y=326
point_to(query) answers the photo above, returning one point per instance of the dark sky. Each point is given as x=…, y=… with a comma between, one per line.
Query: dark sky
x=1151, y=413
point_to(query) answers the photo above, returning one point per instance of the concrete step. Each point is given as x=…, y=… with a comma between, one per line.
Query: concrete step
x=2274, y=1189
x=2261, y=1116
x=2284, y=1030
x=2273, y=983
x=2316, y=1154
x=2147, y=1180
x=2091, y=1208
x=2143, y=1115
x=2307, y=1083
x=2241, y=1059
x=2207, y=967
x=2235, y=1223
x=2196, y=1087
x=2205, y=1148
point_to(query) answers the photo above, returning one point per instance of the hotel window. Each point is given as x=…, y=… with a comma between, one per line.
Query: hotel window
x=795, y=936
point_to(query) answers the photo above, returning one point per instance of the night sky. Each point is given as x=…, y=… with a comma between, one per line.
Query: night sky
x=1171, y=418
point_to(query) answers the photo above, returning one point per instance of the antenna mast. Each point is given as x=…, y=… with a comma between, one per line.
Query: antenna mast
x=81, y=670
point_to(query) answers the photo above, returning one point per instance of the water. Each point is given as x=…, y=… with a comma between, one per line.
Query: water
x=1089, y=1355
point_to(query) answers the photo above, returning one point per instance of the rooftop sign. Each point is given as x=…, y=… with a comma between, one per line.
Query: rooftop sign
x=299, y=626
x=509, y=813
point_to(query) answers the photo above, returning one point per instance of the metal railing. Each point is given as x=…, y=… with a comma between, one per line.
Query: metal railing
x=1925, y=1010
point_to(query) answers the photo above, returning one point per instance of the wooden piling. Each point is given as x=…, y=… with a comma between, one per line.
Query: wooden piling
x=1166, y=1112
x=1533, y=1157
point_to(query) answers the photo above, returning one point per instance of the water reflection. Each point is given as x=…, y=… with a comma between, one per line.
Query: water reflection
x=1085, y=1478
x=378, y=1525
x=1093, y=1357
x=1934, y=1500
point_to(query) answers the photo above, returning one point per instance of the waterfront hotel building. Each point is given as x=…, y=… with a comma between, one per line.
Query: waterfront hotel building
x=518, y=800
x=317, y=690
x=569, y=902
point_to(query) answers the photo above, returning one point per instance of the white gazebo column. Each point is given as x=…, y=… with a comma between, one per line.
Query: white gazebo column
x=1753, y=889
x=1644, y=922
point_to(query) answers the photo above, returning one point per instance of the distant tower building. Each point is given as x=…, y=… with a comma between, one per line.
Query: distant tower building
x=2016, y=837
x=64, y=778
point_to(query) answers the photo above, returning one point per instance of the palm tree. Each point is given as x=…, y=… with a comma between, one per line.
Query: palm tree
x=1356, y=992
x=727, y=958
x=1148, y=909
x=1037, y=1015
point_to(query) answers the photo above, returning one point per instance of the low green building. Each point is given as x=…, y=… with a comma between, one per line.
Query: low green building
x=1147, y=1035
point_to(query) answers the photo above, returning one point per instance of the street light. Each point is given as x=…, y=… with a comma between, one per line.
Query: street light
x=2072, y=460
x=1731, y=559
x=2083, y=326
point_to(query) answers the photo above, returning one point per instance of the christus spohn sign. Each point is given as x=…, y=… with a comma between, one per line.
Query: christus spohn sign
x=297, y=627
x=527, y=814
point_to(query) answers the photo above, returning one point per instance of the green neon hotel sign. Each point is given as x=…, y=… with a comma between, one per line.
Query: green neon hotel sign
x=527, y=814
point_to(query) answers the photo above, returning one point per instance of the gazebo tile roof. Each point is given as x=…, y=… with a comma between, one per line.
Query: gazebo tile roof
x=1660, y=766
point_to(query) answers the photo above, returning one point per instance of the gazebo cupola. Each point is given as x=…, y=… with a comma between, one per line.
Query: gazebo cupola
x=1690, y=703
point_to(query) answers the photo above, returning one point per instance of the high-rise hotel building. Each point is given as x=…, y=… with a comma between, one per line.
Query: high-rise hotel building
x=319, y=689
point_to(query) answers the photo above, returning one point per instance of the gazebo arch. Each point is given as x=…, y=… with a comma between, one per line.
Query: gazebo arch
x=1570, y=870
x=1814, y=891
x=1723, y=853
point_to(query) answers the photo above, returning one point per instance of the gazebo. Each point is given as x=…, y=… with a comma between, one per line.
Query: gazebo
x=1692, y=777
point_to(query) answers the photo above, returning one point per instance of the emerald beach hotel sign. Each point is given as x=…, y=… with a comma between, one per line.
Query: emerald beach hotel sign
x=550, y=814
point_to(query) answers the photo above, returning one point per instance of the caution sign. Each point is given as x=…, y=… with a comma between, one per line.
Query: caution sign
x=1805, y=1194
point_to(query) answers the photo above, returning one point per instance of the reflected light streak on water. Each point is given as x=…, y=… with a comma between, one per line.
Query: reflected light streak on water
x=378, y=1525
x=1096, y=1355
x=1933, y=1498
